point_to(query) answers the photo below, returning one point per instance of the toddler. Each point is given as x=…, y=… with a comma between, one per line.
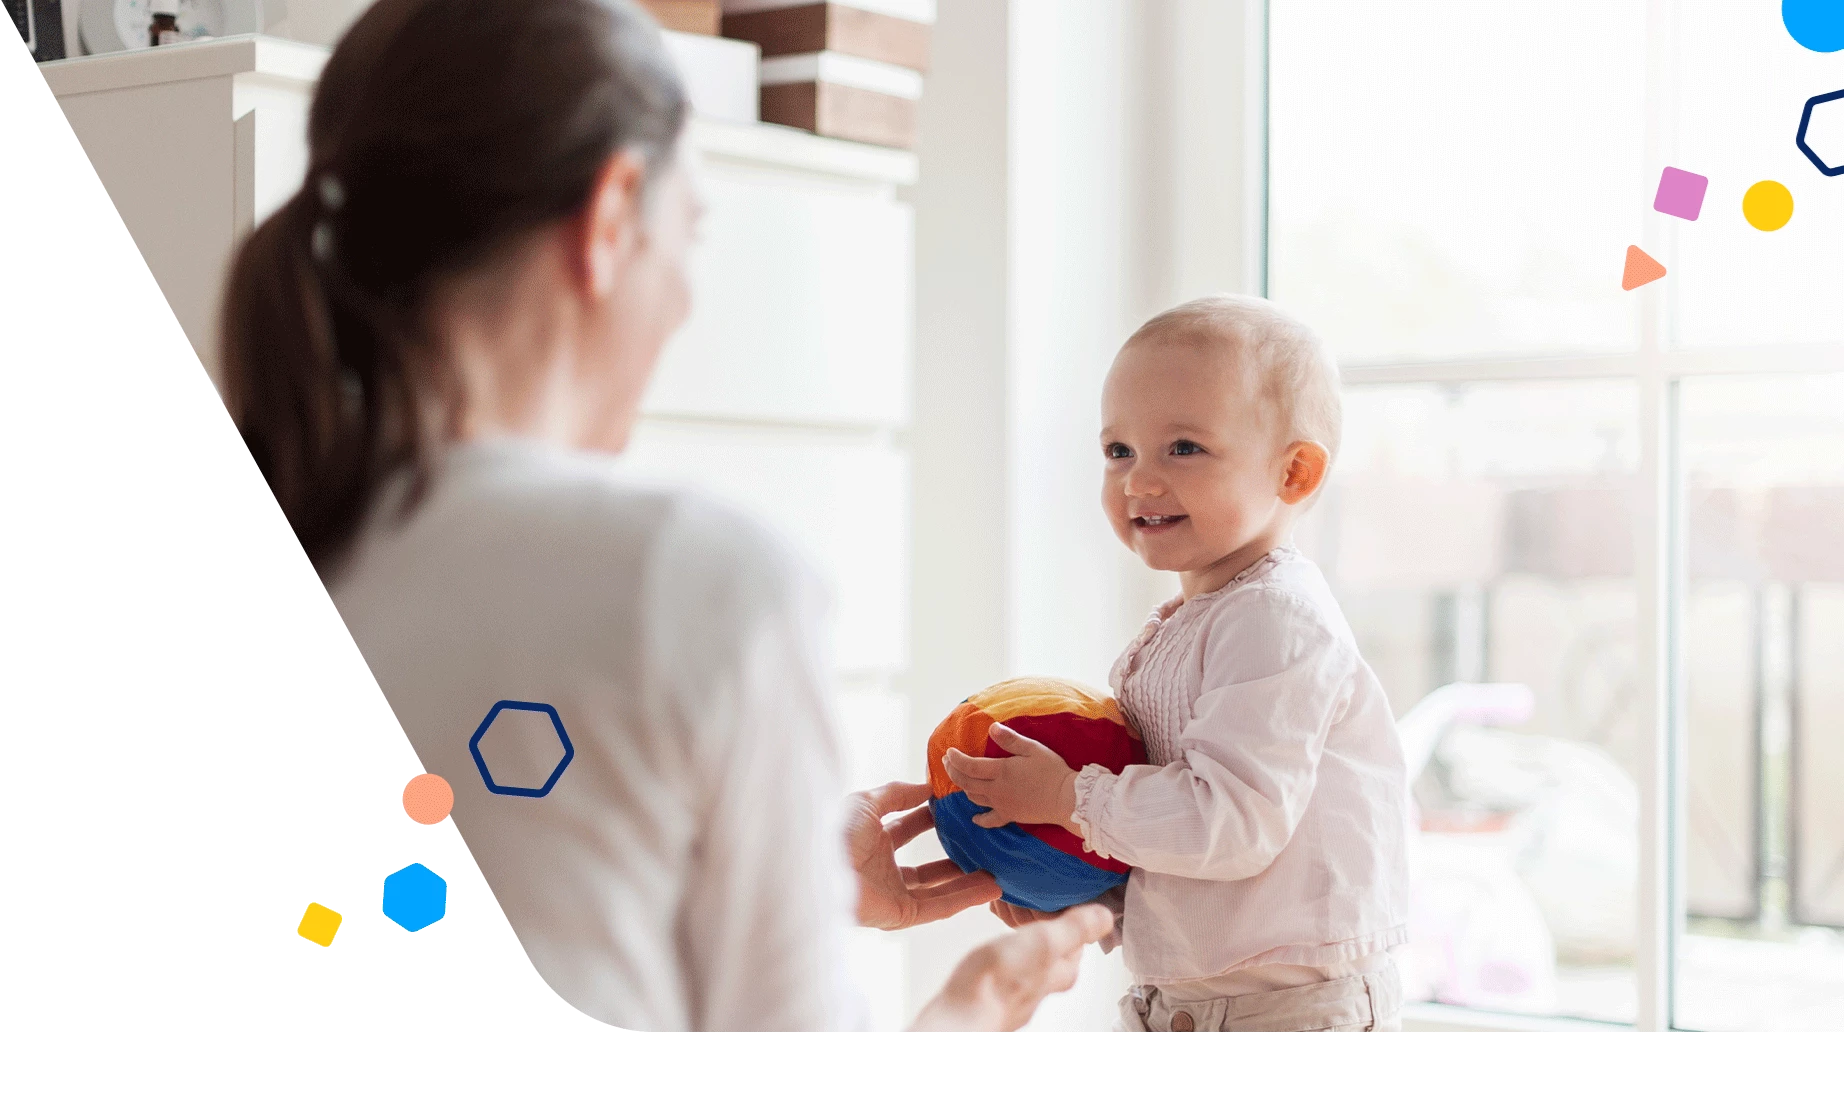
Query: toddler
x=1267, y=831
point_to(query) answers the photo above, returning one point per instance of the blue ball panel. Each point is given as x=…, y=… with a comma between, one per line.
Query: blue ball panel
x=1031, y=873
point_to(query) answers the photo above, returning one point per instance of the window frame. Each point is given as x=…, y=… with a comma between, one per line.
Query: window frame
x=1661, y=545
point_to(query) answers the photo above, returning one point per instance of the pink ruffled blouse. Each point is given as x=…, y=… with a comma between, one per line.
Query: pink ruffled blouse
x=1269, y=825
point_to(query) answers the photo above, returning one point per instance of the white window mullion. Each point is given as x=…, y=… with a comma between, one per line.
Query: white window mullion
x=1653, y=956
x=1762, y=359
x=1653, y=583
x=1757, y=359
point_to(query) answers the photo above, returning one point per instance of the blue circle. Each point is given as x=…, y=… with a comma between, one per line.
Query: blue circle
x=1815, y=24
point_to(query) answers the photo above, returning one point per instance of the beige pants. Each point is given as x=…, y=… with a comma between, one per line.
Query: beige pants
x=1368, y=1002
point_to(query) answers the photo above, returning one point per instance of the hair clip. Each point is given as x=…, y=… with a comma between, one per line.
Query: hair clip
x=332, y=193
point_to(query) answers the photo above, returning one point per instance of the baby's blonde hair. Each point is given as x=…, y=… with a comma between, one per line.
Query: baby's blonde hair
x=1297, y=370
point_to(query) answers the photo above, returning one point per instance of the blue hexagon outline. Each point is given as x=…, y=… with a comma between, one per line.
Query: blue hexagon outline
x=480, y=762
x=1805, y=120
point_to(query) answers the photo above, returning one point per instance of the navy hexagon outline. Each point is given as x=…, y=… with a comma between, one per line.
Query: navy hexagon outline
x=1805, y=121
x=480, y=762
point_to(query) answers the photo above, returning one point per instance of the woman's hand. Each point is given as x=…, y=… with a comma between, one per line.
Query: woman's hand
x=892, y=897
x=998, y=986
x=1031, y=785
x=1015, y=917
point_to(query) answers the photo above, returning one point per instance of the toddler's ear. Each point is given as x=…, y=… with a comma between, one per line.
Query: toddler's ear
x=1307, y=461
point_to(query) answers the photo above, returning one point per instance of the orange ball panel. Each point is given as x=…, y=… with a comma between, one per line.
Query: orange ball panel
x=1036, y=695
x=1033, y=697
x=964, y=729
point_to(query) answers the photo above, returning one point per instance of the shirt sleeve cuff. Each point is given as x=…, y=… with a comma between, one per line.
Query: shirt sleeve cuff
x=1094, y=795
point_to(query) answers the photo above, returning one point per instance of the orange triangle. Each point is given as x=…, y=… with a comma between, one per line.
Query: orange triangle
x=1640, y=269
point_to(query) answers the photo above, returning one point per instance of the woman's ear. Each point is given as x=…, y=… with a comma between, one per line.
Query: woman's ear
x=610, y=225
x=1307, y=461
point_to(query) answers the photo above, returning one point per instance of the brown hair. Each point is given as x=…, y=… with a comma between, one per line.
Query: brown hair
x=441, y=132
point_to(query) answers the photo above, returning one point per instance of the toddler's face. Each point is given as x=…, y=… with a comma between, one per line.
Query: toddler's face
x=1195, y=457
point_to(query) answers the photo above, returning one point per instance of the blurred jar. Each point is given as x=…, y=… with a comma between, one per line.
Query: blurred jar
x=164, y=29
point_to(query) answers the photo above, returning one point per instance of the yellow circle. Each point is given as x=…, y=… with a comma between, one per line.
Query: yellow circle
x=1767, y=205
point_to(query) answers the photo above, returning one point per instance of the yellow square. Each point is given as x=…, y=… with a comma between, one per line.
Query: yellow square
x=319, y=924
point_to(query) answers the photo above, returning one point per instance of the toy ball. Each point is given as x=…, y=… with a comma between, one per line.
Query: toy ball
x=1038, y=865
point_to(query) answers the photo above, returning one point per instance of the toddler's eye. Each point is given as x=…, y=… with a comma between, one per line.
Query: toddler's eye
x=1117, y=450
x=1186, y=448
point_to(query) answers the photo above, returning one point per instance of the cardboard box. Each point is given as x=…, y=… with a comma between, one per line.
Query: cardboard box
x=842, y=112
x=916, y=11
x=691, y=17
x=843, y=97
x=811, y=28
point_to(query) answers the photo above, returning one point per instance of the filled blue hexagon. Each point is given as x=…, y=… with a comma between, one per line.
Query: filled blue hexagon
x=521, y=749
x=414, y=897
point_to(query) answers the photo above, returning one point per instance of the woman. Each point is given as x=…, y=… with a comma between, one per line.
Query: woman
x=432, y=351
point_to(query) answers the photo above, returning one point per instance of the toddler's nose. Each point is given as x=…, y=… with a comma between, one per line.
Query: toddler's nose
x=1141, y=482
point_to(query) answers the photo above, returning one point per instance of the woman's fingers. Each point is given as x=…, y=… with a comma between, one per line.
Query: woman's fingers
x=905, y=827
x=1014, y=916
x=897, y=796
x=999, y=985
x=991, y=820
x=1043, y=957
x=954, y=896
x=1065, y=933
x=934, y=872
x=1063, y=978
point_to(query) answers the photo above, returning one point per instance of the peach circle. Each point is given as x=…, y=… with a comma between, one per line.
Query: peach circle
x=428, y=798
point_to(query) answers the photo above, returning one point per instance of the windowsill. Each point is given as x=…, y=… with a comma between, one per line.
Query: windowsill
x=1446, y=1017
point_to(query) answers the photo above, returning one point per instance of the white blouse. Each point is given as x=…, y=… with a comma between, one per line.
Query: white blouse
x=1268, y=827
x=687, y=871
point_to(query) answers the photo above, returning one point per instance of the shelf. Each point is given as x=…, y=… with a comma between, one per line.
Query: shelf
x=760, y=144
x=792, y=149
x=226, y=57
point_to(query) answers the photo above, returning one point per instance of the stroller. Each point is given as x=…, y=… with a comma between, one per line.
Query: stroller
x=1522, y=848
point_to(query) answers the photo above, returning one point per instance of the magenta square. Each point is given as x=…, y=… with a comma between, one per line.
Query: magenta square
x=1680, y=193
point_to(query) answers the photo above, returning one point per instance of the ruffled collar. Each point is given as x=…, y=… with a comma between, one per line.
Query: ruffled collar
x=1130, y=659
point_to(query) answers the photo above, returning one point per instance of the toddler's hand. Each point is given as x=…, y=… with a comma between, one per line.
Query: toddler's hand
x=1031, y=785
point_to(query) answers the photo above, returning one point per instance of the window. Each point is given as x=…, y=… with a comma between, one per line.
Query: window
x=1587, y=537
x=1764, y=641
x=1437, y=192
x=1482, y=532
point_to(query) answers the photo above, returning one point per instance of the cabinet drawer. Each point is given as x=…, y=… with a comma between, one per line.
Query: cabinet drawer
x=842, y=502
x=800, y=306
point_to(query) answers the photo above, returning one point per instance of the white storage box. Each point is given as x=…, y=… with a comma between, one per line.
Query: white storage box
x=720, y=75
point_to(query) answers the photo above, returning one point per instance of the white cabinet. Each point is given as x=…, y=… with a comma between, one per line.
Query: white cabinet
x=786, y=393
x=194, y=143
x=803, y=307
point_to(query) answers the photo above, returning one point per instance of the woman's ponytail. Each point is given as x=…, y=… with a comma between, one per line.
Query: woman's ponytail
x=441, y=131
x=289, y=386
